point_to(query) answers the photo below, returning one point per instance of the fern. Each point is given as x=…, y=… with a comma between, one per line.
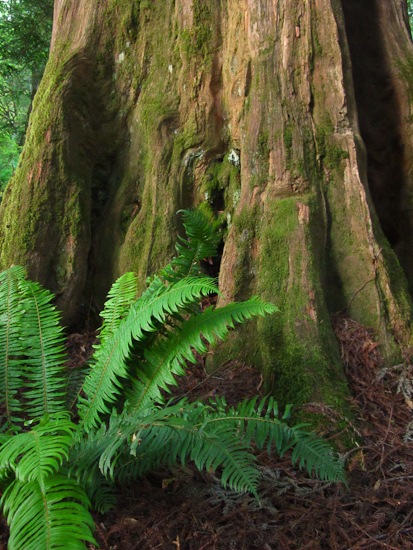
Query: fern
x=120, y=298
x=259, y=423
x=32, y=343
x=48, y=515
x=41, y=451
x=52, y=468
x=201, y=242
x=136, y=444
x=10, y=344
x=43, y=352
x=316, y=456
x=212, y=436
x=167, y=357
x=109, y=366
x=43, y=508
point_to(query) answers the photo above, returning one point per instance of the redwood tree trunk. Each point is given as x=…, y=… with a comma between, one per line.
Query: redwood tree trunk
x=291, y=121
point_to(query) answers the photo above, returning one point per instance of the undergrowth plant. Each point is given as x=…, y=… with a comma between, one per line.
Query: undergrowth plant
x=68, y=436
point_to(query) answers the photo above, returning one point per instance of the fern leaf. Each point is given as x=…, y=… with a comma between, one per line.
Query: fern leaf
x=41, y=348
x=222, y=449
x=10, y=343
x=75, y=380
x=258, y=422
x=201, y=242
x=48, y=515
x=140, y=443
x=43, y=508
x=213, y=436
x=109, y=367
x=316, y=456
x=120, y=298
x=40, y=452
x=166, y=358
x=84, y=467
x=100, y=492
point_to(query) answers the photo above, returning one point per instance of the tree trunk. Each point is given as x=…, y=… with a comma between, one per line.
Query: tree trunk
x=291, y=121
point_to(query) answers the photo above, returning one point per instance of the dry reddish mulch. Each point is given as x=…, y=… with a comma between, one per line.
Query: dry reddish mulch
x=188, y=510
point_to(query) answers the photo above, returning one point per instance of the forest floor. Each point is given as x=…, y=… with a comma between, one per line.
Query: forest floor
x=187, y=510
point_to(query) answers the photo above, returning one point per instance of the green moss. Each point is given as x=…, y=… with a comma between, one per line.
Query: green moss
x=405, y=67
x=330, y=155
x=298, y=354
x=263, y=148
x=145, y=4
x=197, y=39
x=294, y=349
x=186, y=138
x=246, y=229
x=33, y=204
x=318, y=49
x=156, y=107
x=282, y=220
x=221, y=182
x=288, y=138
x=288, y=145
x=246, y=221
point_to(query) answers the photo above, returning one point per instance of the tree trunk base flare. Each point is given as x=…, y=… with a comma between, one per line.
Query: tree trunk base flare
x=290, y=122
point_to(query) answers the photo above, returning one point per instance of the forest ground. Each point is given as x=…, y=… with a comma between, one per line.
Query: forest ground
x=188, y=510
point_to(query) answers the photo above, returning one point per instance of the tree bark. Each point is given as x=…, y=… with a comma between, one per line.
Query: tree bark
x=290, y=121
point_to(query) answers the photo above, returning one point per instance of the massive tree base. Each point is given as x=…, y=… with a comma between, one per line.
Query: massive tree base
x=288, y=121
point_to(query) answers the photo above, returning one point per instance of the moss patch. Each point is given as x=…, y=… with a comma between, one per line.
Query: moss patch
x=330, y=155
x=197, y=39
x=297, y=346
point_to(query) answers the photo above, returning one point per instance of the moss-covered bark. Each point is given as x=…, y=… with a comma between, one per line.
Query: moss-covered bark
x=263, y=113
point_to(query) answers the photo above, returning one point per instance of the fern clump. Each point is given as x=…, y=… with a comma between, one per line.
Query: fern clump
x=64, y=441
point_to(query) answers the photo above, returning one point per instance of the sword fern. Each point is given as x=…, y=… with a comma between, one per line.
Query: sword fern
x=51, y=468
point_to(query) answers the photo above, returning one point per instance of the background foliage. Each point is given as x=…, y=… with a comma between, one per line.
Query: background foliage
x=25, y=30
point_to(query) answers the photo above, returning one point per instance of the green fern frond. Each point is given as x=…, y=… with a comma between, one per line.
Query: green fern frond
x=201, y=242
x=42, y=349
x=75, y=380
x=100, y=491
x=258, y=422
x=317, y=457
x=120, y=298
x=220, y=448
x=166, y=358
x=138, y=444
x=40, y=452
x=32, y=353
x=10, y=343
x=150, y=438
x=48, y=515
x=135, y=445
x=105, y=446
x=44, y=508
x=212, y=436
x=109, y=367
